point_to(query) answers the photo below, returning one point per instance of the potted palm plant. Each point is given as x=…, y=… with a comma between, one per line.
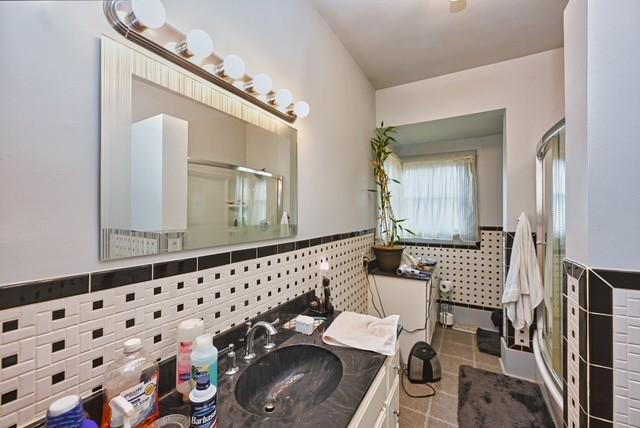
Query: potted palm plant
x=386, y=249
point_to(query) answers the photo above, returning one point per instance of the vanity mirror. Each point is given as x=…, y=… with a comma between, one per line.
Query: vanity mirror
x=185, y=164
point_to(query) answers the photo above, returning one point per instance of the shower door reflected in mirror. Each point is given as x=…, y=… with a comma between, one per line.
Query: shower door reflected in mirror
x=551, y=242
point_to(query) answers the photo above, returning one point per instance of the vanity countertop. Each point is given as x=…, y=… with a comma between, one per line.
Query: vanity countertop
x=359, y=370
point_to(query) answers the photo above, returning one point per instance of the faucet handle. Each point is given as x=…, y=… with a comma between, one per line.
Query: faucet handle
x=231, y=361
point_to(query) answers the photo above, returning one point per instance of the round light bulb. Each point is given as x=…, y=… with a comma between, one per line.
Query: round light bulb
x=262, y=83
x=301, y=109
x=283, y=98
x=199, y=43
x=149, y=13
x=233, y=66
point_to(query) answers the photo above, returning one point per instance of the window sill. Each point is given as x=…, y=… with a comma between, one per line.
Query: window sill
x=441, y=243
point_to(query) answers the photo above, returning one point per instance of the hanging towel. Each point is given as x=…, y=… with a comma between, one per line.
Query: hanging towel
x=366, y=332
x=523, y=290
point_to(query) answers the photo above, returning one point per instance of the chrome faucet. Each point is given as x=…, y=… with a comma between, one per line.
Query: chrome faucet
x=270, y=329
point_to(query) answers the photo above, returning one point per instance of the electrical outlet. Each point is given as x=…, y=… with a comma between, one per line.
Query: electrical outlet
x=365, y=260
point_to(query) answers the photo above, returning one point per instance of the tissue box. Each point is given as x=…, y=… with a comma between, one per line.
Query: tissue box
x=304, y=324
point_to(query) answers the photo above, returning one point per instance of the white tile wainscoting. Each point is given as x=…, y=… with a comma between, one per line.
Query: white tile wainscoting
x=63, y=346
x=476, y=273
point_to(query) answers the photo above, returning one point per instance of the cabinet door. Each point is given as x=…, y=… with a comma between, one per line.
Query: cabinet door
x=368, y=413
x=393, y=405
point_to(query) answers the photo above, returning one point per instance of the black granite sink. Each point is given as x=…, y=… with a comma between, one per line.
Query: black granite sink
x=285, y=382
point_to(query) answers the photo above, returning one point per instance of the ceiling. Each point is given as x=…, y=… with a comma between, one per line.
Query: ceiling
x=402, y=41
x=454, y=128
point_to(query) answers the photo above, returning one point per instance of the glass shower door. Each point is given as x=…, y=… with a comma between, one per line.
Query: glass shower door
x=551, y=243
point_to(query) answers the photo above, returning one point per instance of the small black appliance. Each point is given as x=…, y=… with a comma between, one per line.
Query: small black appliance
x=424, y=364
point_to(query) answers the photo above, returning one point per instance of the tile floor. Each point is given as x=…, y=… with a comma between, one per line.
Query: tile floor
x=455, y=348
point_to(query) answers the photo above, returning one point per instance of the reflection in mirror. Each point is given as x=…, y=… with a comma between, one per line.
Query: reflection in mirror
x=184, y=175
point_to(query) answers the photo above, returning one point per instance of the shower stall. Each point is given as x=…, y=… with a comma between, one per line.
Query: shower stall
x=550, y=246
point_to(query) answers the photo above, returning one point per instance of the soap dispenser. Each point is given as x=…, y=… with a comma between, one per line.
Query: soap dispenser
x=121, y=412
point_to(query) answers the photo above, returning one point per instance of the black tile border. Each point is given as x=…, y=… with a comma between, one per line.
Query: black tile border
x=214, y=260
x=475, y=245
x=244, y=255
x=174, y=267
x=629, y=280
x=468, y=305
x=27, y=293
x=119, y=277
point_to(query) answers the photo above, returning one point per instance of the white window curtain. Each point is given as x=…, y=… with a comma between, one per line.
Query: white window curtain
x=438, y=196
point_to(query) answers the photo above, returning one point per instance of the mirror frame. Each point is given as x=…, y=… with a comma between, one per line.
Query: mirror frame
x=119, y=64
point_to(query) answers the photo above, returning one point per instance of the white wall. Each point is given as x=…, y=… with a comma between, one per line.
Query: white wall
x=489, y=165
x=50, y=121
x=603, y=131
x=530, y=88
x=575, y=58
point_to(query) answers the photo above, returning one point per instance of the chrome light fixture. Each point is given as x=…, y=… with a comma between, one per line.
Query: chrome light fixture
x=198, y=43
x=194, y=52
x=147, y=14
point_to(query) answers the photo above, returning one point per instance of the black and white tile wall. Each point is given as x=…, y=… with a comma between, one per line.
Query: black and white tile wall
x=601, y=347
x=474, y=270
x=58, y=336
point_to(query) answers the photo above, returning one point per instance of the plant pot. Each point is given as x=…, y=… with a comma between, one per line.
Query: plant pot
x=388, y=258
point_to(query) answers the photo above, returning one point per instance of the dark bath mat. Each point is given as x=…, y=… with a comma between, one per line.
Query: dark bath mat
x=488, y=341
x=487, y=399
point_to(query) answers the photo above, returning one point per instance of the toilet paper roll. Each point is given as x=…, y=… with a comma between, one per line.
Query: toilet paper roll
x=445, y=286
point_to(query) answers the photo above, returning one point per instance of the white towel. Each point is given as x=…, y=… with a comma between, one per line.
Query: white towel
x=366, y=332
x=523, y=290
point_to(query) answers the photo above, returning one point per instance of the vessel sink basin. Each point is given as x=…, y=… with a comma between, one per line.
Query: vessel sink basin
x=288, y=381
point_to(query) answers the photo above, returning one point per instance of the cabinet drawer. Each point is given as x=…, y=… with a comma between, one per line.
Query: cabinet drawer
x=373, y=402
x=393, y=369
x=393, y=404
x=381, y=422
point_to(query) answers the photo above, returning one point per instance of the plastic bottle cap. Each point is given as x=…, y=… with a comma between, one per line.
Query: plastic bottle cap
x=63, y=405
x=189, y=329
x=132, y=345
x=202, y=382
x=203, y=342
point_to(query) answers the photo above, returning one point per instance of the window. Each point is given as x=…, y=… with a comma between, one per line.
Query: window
x=437, y=196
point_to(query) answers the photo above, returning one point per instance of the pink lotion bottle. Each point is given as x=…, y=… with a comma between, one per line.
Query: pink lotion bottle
x=187, y=332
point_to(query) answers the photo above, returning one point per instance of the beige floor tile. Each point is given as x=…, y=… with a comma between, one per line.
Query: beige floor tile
x=411, y=419
x=486, y=359
x=456, y=336
x=437, y=423
x=420, y=405
x=496, y=369
x=445, y=408
x=448, y=383
x=456, y=350
x=452, y=364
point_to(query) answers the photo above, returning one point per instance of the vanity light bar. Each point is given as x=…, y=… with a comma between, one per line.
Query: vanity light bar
x=135, y=17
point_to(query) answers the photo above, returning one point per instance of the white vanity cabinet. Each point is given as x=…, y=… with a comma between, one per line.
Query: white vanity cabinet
x=413, y=299
x=380, y=407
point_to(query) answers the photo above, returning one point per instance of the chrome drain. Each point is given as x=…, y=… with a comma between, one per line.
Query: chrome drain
x=269, y=408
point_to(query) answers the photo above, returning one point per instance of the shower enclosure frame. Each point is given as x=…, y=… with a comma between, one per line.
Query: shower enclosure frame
x=549, y=377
